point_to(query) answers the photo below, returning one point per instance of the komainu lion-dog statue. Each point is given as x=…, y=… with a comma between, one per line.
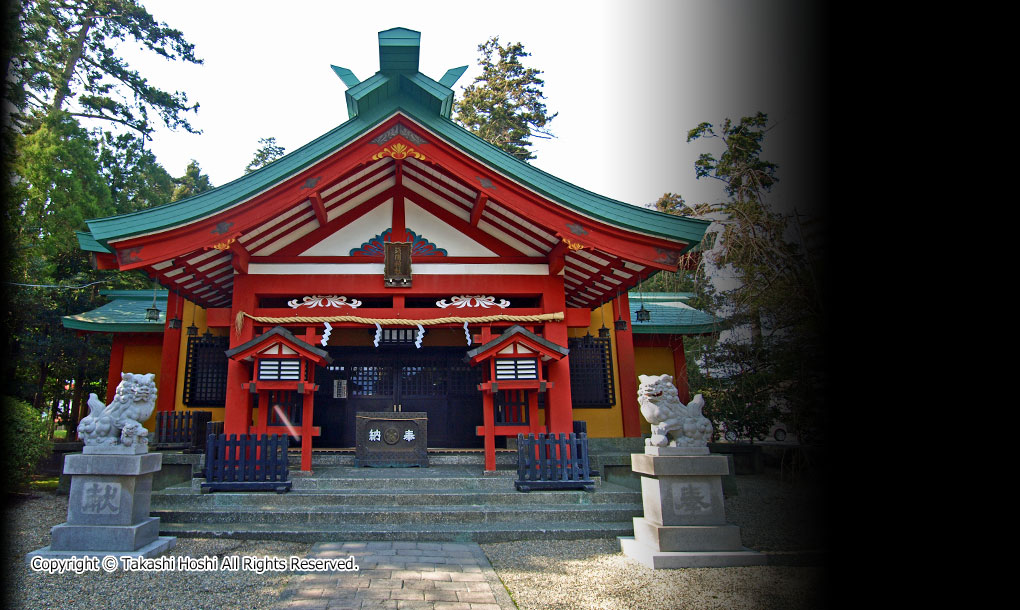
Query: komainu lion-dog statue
x=119, y=423
x=674, y=424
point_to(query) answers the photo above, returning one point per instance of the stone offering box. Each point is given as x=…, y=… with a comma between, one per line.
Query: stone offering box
x=108, y=508
x=392, y=439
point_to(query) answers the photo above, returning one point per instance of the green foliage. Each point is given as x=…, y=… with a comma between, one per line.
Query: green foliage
x=59, y=186
x=191, y=183
x=772, y=363
x=25, y=441
x=64, y=67
x=137, y=181
x=66, y=59
x=267, y=153
x=504, y=105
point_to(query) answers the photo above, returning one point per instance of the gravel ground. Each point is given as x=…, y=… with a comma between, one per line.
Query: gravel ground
x=773, y=517
x=28, y=527
x=593, y=574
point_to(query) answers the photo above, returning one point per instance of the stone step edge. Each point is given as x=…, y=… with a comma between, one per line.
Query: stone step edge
x=450, y=508
x=501, y=532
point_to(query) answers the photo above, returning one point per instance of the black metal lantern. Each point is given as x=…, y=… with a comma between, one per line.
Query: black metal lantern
x=174, y=323
x=192, y=330
x=643, y=315
x=620, y=323
x=603, y=332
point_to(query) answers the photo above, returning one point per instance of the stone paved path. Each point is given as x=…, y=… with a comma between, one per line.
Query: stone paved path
x=411, y=575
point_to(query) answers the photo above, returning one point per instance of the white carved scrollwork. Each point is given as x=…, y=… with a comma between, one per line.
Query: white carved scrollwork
x=473, y=301
x=324, y=301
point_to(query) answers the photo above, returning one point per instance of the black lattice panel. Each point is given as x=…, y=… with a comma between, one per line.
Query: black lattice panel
x=205, y=373
x=427, y=380
x=591, y=372
x=371, y=380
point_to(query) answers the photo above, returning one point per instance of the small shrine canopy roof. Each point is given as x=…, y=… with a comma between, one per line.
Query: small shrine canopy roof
x=546, y=349
x=488, y=187
x=279, y=334
x=670, y=315
x=125, y=313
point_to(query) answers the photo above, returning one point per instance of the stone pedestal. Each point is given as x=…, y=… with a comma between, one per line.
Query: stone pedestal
x=684, y=525
x=108, y=508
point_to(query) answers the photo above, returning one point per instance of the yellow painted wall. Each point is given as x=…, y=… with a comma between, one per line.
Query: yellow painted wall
x=143, y=359
x=652, y=361
x=602, y=422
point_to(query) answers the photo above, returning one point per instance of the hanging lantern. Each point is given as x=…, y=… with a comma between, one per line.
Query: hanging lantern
x=643, y=315
x=152, y=312
x=173, y=323
x=620, y=323
x=193, y=330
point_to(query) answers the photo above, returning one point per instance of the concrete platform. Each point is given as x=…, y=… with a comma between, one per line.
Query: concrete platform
x=651, y=558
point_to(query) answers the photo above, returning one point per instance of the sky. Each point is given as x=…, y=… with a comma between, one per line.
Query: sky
x=628, y=79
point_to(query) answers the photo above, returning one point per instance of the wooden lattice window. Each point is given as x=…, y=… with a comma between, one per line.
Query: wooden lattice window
x=286, y=369
x=591, y=372
x=205, y=374
x=516, y=368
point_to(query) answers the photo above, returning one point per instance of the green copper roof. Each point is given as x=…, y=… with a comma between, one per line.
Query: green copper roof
x=370, y=102
x=670, y=315
x=88, y=243
x=124, y=314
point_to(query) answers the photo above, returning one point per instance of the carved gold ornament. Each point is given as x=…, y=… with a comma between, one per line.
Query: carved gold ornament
x=573, y=245
x=224, y=245
x=398, y=151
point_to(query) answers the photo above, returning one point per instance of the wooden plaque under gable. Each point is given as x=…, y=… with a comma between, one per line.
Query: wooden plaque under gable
x=397, y=264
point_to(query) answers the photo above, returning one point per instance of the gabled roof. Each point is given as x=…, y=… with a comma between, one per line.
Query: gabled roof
x=396, y=91
x=547, y=349
x=278, y=334
x=425, y=101
x=125, y=313
x=670, y=315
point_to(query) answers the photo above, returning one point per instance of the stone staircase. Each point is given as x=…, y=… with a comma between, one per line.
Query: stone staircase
x=451, y=501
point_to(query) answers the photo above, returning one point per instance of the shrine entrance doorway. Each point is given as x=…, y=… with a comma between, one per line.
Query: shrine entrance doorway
x=433, y=380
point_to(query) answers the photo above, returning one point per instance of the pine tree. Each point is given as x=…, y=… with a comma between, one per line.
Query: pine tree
x=504, y=106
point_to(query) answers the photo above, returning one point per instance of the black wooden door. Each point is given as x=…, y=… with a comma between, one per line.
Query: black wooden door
x=435, y=381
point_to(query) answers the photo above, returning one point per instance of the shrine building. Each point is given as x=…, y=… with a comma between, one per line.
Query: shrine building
x=398, y=263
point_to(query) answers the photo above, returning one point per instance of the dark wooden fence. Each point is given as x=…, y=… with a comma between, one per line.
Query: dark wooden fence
x=251, y=462
x=553, y=461
x=182, y=429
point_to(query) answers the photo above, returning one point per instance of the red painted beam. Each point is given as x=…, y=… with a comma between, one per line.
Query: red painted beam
x=239, y=257
x=645, y=250
x=479, y=207
x=138, y=252
x=307, y=241
x=474, y=233
x=539, y=242
x=557, y=258
x=318, y=207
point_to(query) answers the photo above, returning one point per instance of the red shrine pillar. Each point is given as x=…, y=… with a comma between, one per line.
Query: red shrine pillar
x=166, y=396
x=629, y=409
x=559, y=409
x=237, y=414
